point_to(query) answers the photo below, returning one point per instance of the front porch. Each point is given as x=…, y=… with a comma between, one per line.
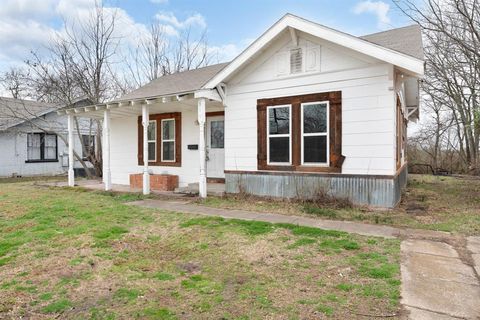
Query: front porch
x=213, y=189
x=172, y=133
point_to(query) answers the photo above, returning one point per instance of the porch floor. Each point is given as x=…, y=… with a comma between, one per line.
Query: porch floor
x=213, y=189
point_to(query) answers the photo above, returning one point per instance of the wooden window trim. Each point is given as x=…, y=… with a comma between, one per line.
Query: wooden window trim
x=214, y=113
x=177, y=116
x=335, y=132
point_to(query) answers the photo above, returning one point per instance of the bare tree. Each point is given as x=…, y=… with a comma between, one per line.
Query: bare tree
x=148, y=60
x=158, y=55
x=188, y=53
x=451, y=31
x=15, y=81
x=153, y=53
x=79, y=63
x=84, y=61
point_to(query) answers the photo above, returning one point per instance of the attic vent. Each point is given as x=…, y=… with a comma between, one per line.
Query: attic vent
x=296, y=60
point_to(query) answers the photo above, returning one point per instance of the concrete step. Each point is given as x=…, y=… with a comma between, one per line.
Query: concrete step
x=213, y=189
x=186, y=190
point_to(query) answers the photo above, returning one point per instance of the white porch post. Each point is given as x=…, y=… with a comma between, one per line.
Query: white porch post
x=202, y=183
x=71, y=175
x=107, y=176
x=146, y=176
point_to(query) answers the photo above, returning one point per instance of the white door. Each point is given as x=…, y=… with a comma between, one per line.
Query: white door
x=215, y=147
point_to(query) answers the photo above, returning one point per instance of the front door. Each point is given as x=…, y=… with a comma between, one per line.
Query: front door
x=215, y=147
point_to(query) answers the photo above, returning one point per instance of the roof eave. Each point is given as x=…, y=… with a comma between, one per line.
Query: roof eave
x=127, y=102
x=409, y=63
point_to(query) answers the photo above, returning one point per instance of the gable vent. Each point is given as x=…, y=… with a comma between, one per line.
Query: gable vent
x=296, y=60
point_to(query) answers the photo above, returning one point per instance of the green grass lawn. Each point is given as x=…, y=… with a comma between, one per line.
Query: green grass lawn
x=73, y=254
x=430, y=202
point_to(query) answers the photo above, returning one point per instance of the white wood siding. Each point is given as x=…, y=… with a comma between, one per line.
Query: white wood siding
x=14, y=150
x=368, y=109
x=124, y=150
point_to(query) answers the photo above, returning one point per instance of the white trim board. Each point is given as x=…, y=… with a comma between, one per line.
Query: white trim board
x=408, y=63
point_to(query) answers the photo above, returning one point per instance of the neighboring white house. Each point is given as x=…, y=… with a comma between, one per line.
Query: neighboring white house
x=304, y=110
x=29, y=142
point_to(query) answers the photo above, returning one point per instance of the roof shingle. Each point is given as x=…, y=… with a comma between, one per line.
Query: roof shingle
x=177, y=83
x=15, y=111
x=407, y=40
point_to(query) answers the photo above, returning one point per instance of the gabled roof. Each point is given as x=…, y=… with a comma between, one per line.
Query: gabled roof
x=177, y=83
x=401, y=47
x=406, y=40
x=411, y=64
x=16, y=111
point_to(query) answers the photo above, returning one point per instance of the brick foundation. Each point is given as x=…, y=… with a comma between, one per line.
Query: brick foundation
x=158, y=182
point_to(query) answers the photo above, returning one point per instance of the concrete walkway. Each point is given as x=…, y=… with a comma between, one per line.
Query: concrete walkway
x=437, y=282
x=347, y=226
x=440, y=272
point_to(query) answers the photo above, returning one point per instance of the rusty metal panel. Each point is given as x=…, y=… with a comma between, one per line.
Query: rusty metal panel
x=400, y=184
x=361, y=190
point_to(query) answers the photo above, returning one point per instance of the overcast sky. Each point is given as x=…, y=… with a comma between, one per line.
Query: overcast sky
x=26, y=25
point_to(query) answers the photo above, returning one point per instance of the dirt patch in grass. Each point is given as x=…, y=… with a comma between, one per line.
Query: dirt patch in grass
x=440, y=203
x=72, y=254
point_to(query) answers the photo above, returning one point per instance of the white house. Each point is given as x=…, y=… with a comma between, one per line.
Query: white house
x=30, y=142
x=304, y=110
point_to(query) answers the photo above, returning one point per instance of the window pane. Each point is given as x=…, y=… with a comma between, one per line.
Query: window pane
x=279, y=120
x=151, y=151
x=152, y=127
x=33, y=146
x=168, y=130
x=216, y=134
x=315, y=118
x=50, y=140
x=279, y=149
x=315, y=149
x=168, y=151
x=50, y=147
x=50, y=153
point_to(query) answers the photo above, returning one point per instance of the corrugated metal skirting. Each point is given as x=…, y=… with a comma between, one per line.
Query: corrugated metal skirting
x=363, y=190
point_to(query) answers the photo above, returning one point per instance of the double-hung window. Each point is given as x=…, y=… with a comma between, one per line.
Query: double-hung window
x=42, y=147
x=315, y=128
x=300, y=133
x=152, y=140
x=279, y=126
x=164, y=138
x=168, y=140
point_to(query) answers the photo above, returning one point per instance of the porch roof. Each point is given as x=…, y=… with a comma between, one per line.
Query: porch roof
x=177, y=83
x=177, y=87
